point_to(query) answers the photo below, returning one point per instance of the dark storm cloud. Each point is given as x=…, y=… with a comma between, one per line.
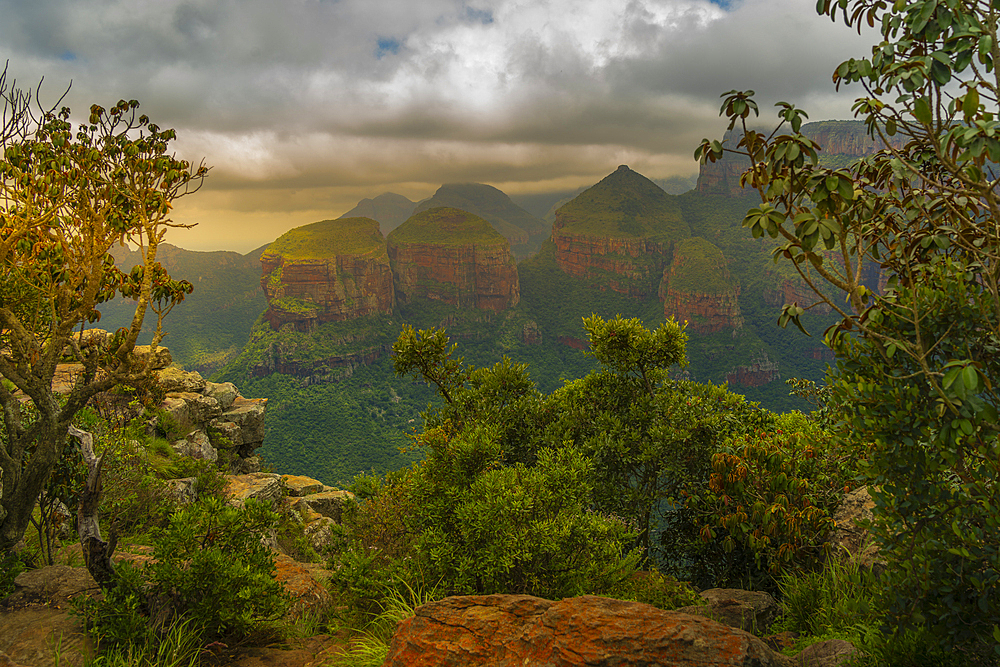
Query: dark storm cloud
x=315, y=104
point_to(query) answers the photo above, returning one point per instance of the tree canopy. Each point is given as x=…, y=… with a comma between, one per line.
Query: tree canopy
x=917, y=359
x=69, y=192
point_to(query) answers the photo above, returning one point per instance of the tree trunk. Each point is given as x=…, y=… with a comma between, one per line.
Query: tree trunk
x=96, y=552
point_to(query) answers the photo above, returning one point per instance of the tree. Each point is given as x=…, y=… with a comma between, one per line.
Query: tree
x=66, y=198
x=917, y=364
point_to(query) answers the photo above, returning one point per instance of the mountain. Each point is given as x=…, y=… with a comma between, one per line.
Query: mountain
x=328, y=271
x=842, y=142
x=524, y=231
x=623, y=246
x=450, y=255
x=619, y=233
x=389, y=209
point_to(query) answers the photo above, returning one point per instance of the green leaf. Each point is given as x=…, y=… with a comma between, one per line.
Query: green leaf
x=922, y=110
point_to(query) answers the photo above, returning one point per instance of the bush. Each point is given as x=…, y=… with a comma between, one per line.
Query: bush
x=210, y=571
x=488, y=528
x=774, y=492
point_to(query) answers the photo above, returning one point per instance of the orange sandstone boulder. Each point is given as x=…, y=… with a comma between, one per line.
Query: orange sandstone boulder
x=516, y=630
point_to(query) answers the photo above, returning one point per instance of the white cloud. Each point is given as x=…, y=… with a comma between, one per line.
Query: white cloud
x=375, y=94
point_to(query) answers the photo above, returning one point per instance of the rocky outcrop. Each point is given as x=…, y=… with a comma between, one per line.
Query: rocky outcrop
x=849, y=540
x=757, y=373
x=328, y=271
x=628, y=266
x=202, y=418
x=792, y=290
x=524, y=231
x=752, y=611
x=448, y=255
x=516, y=630
x=841, y=142
x=619, y=234
x=697, y=288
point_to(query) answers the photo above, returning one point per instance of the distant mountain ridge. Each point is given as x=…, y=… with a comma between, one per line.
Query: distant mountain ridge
x=524, y=231
x=388, y=209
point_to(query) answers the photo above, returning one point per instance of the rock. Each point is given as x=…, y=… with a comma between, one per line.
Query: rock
x=328, y=271
x=298, y=485
x=849, y=540
x=837, y=138
x=449, y=255
x=319, y=532
x=174, y=379
x=747, y=610
x=516, y=630
x=247, y=414
x=263, y=486
x=161, y=359
x=52, y=585
x=328, y=503
x=38, y=636
x=183, y=489
x=300, y=580
x=250, y=465
x=619, y=234
x=697, y=288
x=200, y=447
x=757, y=373
x=531, y=334
x=198, y=408
x=831, y=653
x=225, y=393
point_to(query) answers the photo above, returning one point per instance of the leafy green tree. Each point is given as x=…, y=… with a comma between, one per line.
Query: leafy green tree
x=651, y=439
x=917, y=364
x=67, y=196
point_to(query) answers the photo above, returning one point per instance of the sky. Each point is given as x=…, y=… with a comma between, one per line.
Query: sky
x=304, y=107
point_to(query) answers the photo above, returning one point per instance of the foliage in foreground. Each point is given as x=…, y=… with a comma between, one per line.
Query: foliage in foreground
x=918, y=363
x=211, y=571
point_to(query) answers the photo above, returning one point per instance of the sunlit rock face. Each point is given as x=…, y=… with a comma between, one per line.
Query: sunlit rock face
x=328, y=271
x=449, y=255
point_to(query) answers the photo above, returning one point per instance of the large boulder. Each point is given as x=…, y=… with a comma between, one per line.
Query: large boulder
x=516, y=630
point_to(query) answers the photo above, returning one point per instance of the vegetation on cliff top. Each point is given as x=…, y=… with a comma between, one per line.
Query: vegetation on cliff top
x=445, y=226
x=624, y=204
x=702, y=268
x=329, y=238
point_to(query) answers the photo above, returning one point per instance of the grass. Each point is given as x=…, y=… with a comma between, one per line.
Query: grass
x=329, y=238
x=372, y=646
x=445, y=226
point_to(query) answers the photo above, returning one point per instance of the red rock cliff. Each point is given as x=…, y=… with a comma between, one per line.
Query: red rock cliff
x=453, y=256
x=629, y=266
x=326, y=272
x=698, y=288
x=619, y=233
x=840, y=141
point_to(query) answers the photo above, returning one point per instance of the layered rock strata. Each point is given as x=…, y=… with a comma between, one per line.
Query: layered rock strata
x=449, y=255
x=619, y=233
x=328, y=271
x=698, y=288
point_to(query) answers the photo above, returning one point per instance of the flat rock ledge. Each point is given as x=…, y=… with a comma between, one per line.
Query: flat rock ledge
x=517, y=630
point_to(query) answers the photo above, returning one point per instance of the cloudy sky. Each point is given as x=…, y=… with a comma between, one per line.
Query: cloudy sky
x=304, y=107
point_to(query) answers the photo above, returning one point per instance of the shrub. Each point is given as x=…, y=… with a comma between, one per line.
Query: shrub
x=488, y=528
x=774, y=492
x=210, y=571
